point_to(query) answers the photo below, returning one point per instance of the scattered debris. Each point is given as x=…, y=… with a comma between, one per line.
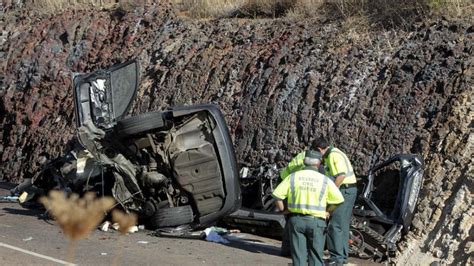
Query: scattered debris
x=125, y=222
x=133, y=229
x=115, y=226
x=9, y=198
x=219, y=230
x=105, y=226
x=213, y=234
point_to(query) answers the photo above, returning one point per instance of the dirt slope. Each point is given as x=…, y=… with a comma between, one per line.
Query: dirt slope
x=278, y=82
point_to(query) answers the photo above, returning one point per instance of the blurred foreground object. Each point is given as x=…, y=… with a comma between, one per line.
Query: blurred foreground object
x=77, y=216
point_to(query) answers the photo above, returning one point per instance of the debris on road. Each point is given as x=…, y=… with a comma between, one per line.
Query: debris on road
x=124, y=222
x=9, y=198
x=133, y=229
x=213, y=234
x=105, y=226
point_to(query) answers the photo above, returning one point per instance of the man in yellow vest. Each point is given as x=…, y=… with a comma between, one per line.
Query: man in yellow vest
x=309, y=195
x=339, y=168
x=297, y=163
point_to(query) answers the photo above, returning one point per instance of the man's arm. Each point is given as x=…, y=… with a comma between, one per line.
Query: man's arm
x=280, y=193
x=295, y=164
x=279, y=204
x=339, y=179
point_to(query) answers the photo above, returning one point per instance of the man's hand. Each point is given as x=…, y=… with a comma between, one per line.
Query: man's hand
x=331, y=207
x=279, y=204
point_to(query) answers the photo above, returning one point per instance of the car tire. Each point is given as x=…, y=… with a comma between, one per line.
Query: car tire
x=140, y=123
x=169, y=217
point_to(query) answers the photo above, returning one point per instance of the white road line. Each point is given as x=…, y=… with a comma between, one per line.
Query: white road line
x=35, y=254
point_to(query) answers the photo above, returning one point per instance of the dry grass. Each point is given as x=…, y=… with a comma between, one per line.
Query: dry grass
x=76, y=216
x=386, y=12
x=209, y=8
x=234, y=8
x=307, y=8
x=57, y=6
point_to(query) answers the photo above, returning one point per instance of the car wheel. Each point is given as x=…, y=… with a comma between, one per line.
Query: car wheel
x=140, y=123
x=169, y=217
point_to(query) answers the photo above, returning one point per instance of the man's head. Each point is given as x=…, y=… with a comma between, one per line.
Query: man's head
x=320, y=144
x=313, y=158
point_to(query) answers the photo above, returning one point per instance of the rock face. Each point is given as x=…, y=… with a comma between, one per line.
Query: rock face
x=279, y=83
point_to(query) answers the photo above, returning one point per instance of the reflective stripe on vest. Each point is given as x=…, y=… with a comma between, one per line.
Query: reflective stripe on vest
x=293, y=205
x=346, y=161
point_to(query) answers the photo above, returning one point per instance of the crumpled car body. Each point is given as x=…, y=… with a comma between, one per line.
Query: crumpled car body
x=385, y=207
x=173, y=167
x=383, y=211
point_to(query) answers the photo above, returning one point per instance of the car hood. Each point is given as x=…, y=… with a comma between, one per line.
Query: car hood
x=105, y=96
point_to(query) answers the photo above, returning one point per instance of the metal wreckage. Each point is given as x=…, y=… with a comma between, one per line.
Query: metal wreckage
x=177, y=170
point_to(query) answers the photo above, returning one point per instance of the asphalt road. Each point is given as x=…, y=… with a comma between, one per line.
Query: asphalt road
x=28, y=239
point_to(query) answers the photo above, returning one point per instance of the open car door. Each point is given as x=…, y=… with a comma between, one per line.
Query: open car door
x=105, y=96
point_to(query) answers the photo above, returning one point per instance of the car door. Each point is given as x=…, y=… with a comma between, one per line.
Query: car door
x=105, y=96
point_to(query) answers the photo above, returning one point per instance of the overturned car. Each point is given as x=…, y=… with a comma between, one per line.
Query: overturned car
x=174, y=167
x=383, y=211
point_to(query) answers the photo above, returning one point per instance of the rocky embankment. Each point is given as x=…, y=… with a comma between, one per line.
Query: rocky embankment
x=278, y=82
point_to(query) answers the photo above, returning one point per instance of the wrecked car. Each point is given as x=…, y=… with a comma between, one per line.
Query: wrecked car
x=383, y=211
x=177, y=167
x=173, y=167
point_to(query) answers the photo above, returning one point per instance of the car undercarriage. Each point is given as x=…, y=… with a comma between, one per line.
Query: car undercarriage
x=173, y=167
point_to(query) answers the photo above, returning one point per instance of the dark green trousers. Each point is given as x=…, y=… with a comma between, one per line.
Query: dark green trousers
x=338, y=227
x=285, y=241
x=307, y=239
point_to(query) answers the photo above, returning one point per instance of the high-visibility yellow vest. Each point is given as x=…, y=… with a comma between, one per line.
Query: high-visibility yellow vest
x=337, y=163
x=308, y=192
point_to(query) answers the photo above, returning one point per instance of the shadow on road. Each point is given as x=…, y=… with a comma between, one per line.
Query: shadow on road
x=253, y=245
x=240, y=241
x=255, y=248
x=25, y=212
